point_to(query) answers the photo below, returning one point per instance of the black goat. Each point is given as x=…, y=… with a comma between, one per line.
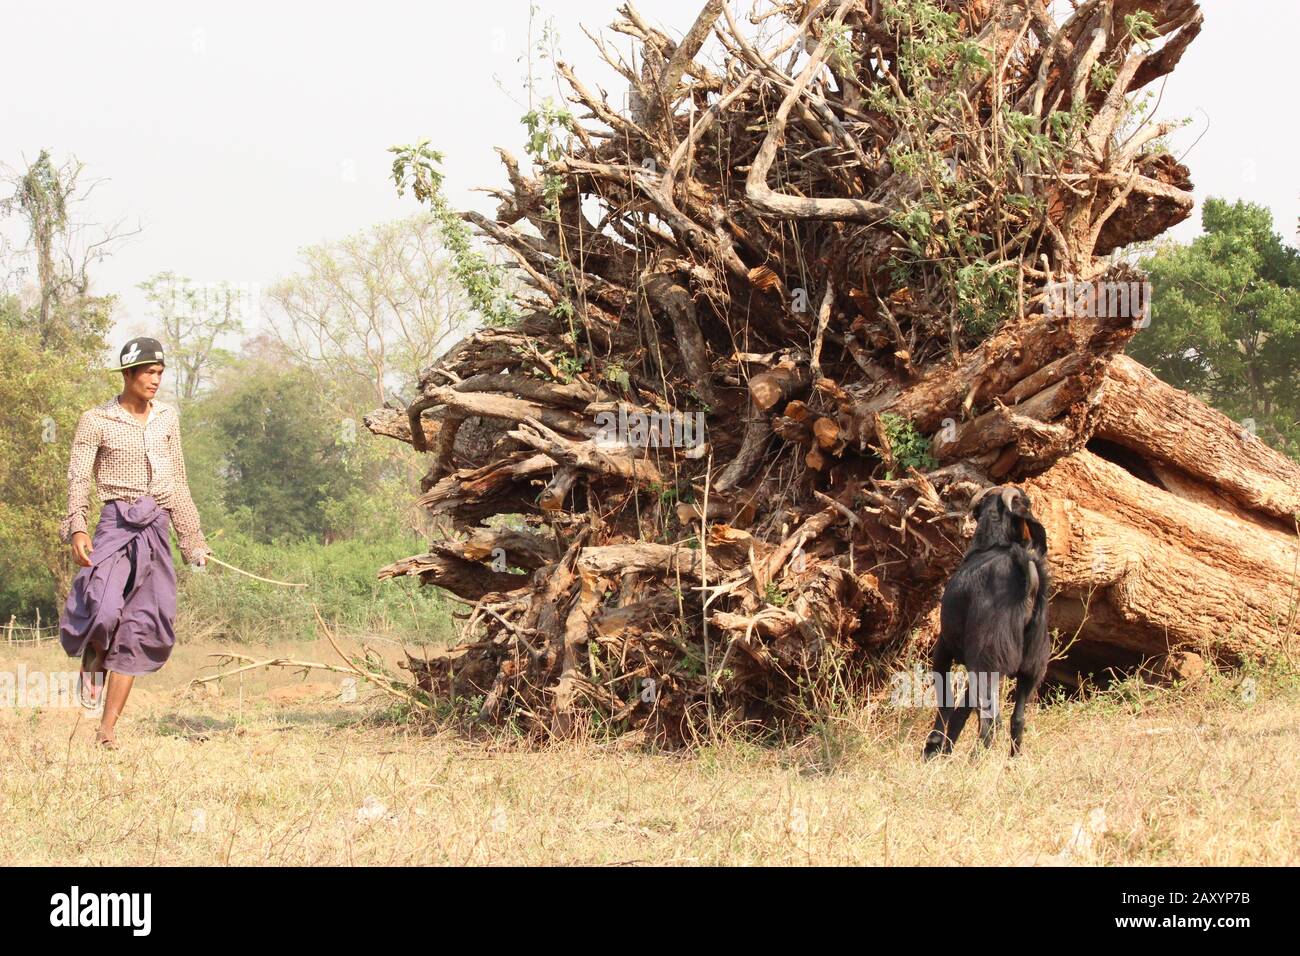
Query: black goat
x=993, y=619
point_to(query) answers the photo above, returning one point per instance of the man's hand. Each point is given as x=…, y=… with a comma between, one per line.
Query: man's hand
x=81, y=548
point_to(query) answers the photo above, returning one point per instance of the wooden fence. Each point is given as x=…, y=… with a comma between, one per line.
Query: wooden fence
x=15, y=633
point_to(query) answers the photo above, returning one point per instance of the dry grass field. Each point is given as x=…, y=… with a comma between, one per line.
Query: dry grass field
x=278, y=771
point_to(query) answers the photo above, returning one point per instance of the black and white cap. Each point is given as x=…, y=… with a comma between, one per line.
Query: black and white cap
x=141, y=351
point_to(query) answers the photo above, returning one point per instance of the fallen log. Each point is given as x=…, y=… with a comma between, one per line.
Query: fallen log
x=865, y=308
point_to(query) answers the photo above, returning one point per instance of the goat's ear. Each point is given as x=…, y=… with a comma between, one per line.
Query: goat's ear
x=1037, y=534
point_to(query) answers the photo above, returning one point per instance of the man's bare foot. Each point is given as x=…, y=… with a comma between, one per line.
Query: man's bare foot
x=106, y=739
x=92, y=677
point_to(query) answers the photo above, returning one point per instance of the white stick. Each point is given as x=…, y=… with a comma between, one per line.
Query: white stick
x=255, y=577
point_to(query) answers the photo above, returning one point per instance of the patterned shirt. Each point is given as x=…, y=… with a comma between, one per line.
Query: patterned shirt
x=129, y=460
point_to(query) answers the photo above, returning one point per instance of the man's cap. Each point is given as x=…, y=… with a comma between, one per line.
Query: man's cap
x=141, y=351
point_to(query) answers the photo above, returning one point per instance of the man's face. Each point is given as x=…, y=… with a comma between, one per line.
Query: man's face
x=143, y=382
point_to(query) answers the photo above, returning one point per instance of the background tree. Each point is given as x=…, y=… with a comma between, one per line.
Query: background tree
x=375, y=307
x=191, y=318
x=364, y=315
x=1225, y=320
x=285, y=462
x=63, y=246
x=52, y=336
x=44, y=390
x=278, y=458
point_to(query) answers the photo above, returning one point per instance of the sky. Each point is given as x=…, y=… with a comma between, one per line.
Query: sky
x=234, y=134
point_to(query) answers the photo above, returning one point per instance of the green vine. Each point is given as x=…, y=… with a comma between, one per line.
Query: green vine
x=415, y=167
x=544, y=125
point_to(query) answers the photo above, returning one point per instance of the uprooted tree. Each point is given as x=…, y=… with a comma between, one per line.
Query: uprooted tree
x=876, y=249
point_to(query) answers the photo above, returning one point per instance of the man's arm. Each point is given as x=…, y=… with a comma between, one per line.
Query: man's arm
x=185, y=517
x=85, y=445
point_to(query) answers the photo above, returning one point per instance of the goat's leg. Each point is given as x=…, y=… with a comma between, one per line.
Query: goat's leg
x=1024, y=690
x=988, y=688
x=962, y=709
x=958, y=721
x=941, y=737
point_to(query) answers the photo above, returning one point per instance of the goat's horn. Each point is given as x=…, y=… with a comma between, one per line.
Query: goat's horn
x=1009, y=496
x=982, y=494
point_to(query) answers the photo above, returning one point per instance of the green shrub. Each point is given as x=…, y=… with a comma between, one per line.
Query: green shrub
x=341, y=582
x=911, y=449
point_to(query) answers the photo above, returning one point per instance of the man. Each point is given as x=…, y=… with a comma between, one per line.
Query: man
x=119, y=612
